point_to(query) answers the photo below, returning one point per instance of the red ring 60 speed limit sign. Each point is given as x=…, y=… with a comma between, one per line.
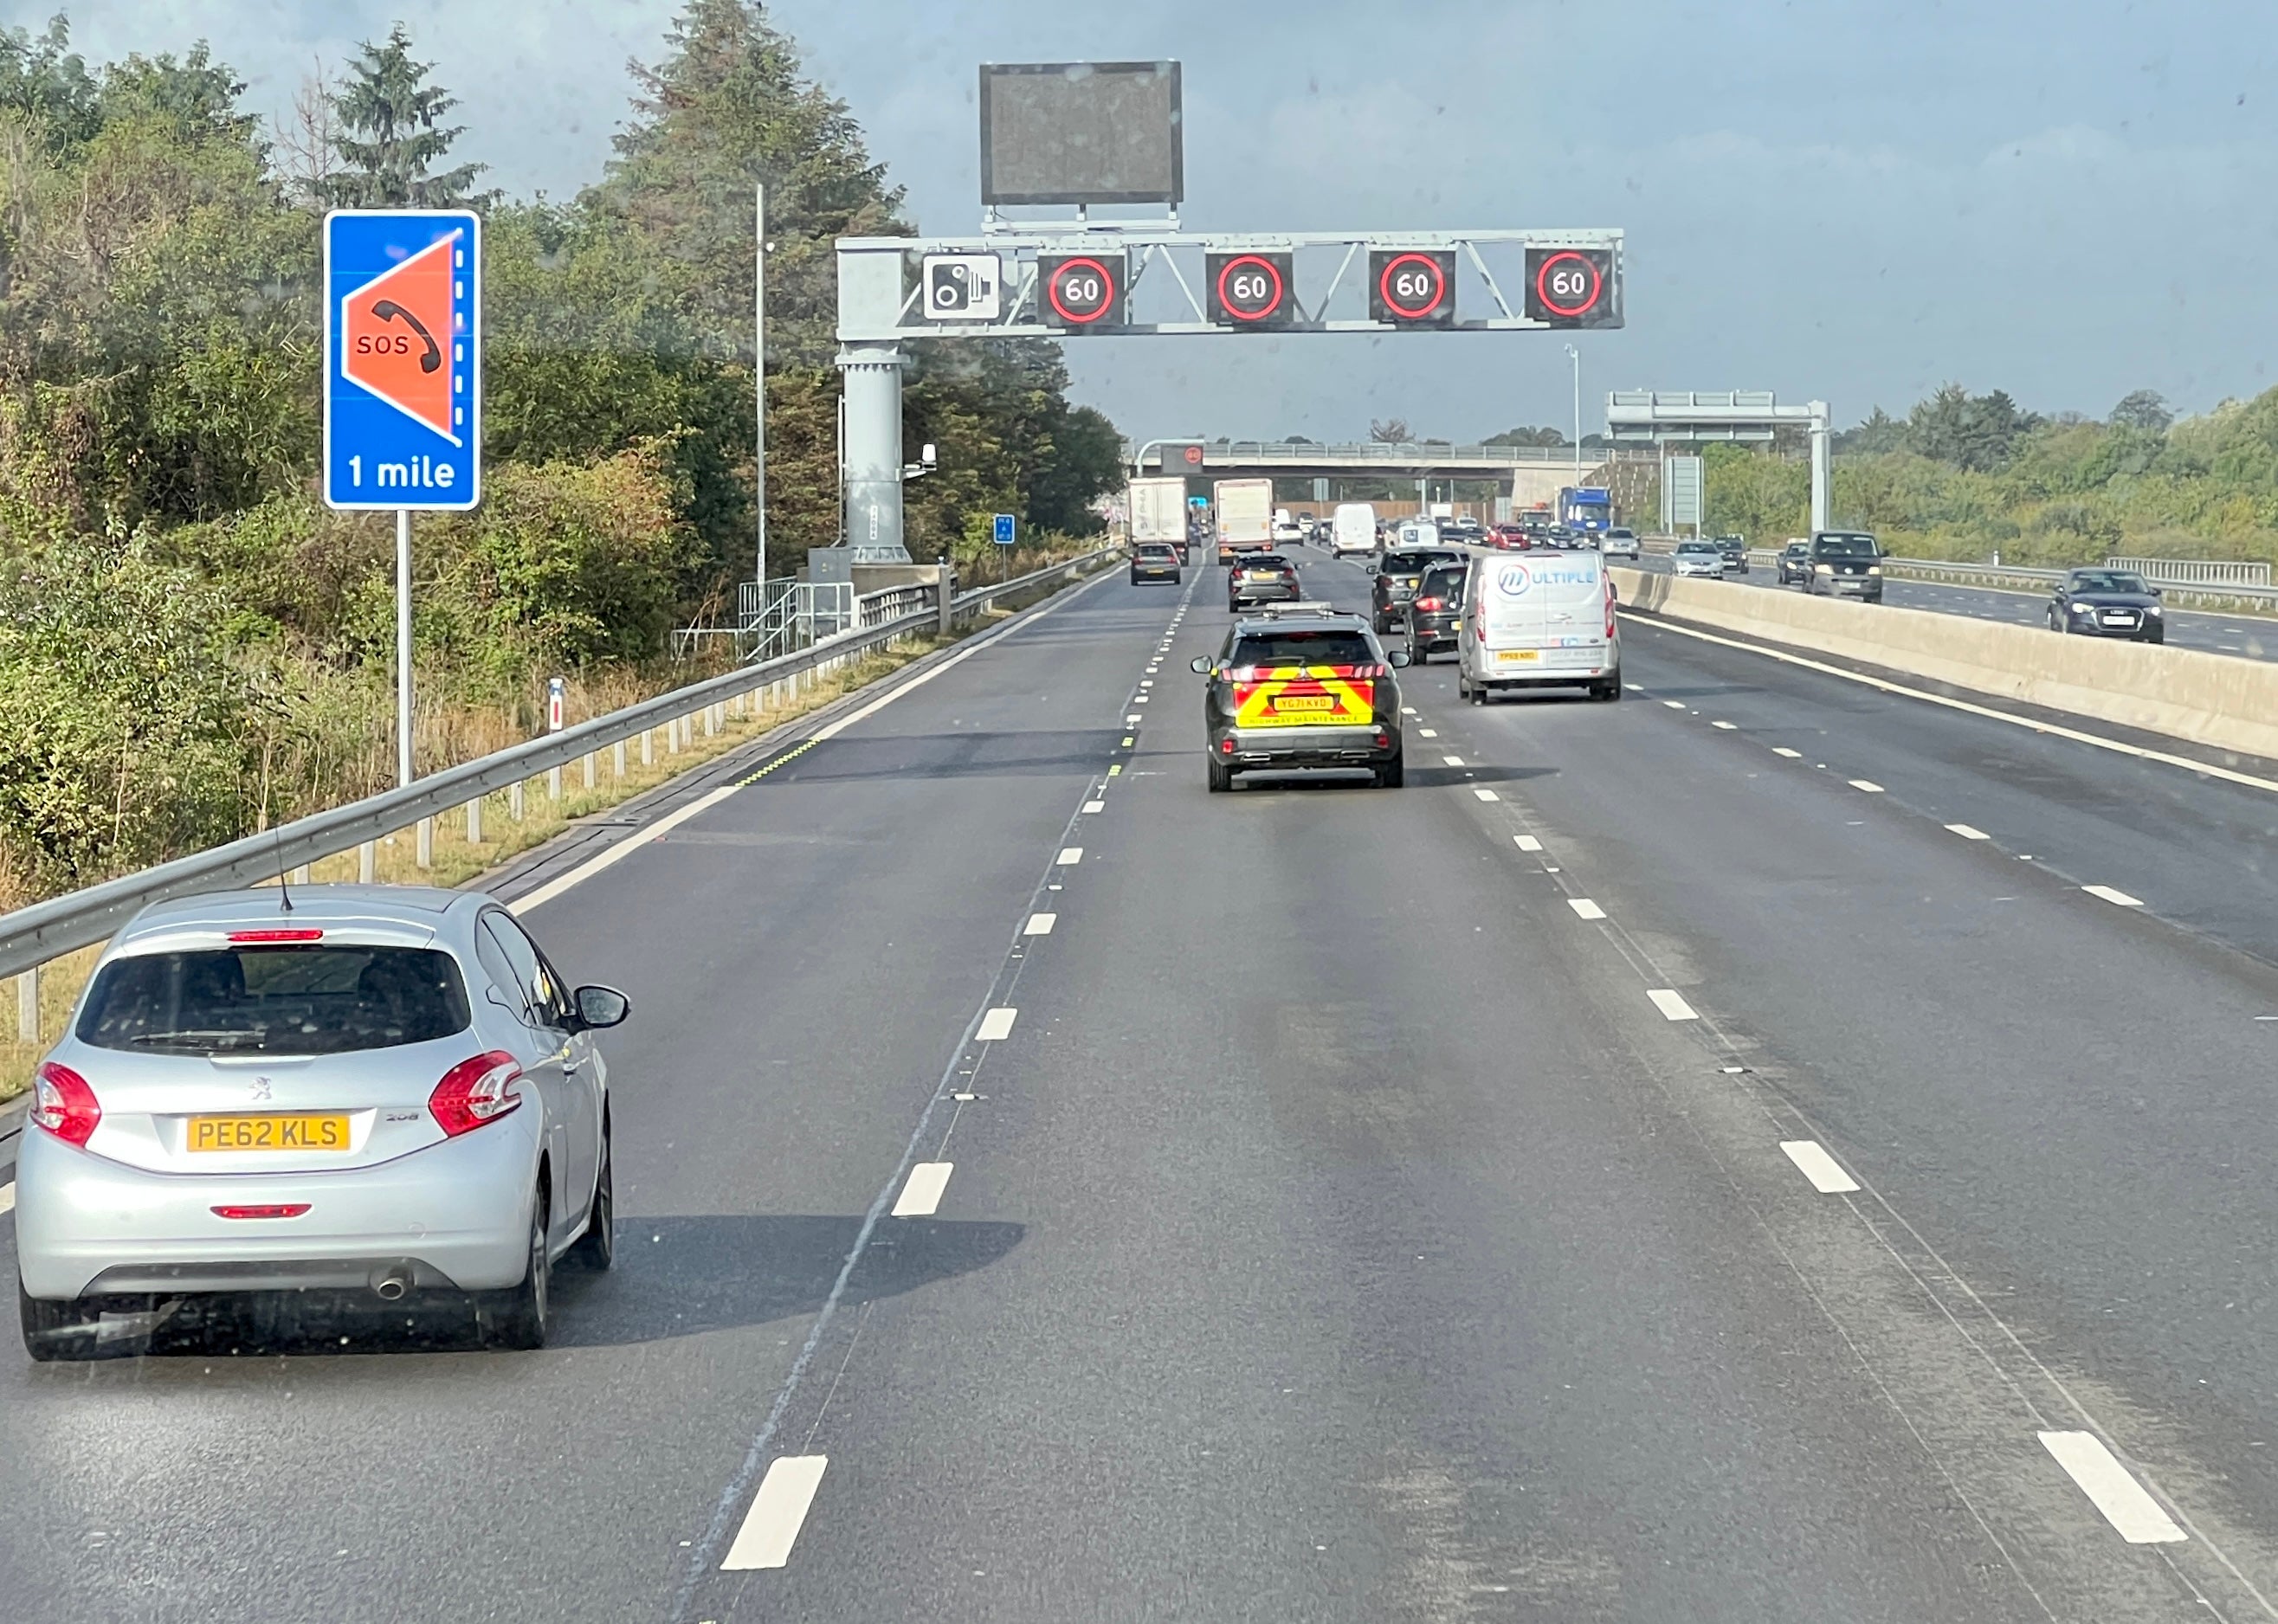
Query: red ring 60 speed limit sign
x=1249, y=290
x=1411, y=286
x=1080, y=290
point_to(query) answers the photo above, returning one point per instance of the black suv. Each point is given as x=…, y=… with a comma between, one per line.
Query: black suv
x=1846, y=564
x=1302, y=688
x=1397, y=579
x=1735, y=549
x=1436, y=613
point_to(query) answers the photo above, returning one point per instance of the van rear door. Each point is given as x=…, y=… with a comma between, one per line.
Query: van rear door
x=1538, y=614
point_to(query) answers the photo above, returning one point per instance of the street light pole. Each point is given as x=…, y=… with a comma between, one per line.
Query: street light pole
x=760, y=380
x=1575, y=355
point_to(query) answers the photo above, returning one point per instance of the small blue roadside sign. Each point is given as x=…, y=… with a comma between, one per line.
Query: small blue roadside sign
x=1004, y=530
x=403, y=358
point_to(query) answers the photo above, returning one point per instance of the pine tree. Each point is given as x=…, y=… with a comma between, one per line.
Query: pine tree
x=389, y=142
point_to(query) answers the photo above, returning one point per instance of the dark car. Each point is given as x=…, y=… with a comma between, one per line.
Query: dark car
x=1795, y=564
x=1397, y=578
x=1735, y=549
x=1261, y=577
x=1309, y=689
x=1846, y=564
x=2109, y=603
x=1154, y=560
x=1436, y=613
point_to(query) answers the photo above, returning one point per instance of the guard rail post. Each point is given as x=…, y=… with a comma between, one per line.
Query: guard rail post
x=27, y=1006
x=946, y=622
x=475, y=820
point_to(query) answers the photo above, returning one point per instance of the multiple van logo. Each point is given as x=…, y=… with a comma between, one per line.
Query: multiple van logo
x=1514, y=580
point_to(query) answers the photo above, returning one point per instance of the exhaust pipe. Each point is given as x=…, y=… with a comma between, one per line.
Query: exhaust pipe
x=390, y=1285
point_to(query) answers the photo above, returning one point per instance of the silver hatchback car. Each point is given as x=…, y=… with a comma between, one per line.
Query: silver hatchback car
x=383, y=1089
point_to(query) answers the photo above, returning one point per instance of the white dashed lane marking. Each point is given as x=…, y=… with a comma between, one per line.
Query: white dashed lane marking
x=1040, y=924
x=1486, y=794
x=920, y=1194
x=1826, y=1174
x=1726, y=726
x=1095, y=806
x=1527, y=842
x=2117, y=898
x=1967, y=832
x=1428, y=733
x=1584, y=906
x=1070, y=854
x=8, y=1196
x=1674, y=704
x=1782, y=749
x=778, y=1511
x=1453, y=760
x=1867, y=786
x=2126, y=1504
x=996, y=1026
x=1672, y=1004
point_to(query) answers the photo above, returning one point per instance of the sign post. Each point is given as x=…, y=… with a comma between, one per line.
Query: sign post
x=402, y=384
x=1003, y=535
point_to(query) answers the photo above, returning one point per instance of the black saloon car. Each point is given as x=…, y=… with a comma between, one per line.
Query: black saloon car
x=1436, y=612
x=1396, y=581
x=2109, y=603
x=1154, y=560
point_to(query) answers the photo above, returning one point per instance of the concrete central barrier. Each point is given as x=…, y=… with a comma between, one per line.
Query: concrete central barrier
x=2214, y=699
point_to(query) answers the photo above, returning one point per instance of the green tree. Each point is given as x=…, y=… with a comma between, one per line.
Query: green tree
x=2143, y=410
x=390, y=139
x=1976, y=433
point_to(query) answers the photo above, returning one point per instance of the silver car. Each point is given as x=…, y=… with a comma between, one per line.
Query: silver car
x=382, y=1089
x=1698, y=558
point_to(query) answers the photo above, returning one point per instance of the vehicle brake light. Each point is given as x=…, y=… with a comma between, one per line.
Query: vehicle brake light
x=1431, y=604
x=474, y=1091
x=280, y=1209
x=63, y=1104
x=277, y=935
x=1609, y=605
x=1225, y=747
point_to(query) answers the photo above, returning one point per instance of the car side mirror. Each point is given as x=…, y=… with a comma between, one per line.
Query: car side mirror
x=1200, y=665
x=1396, y=658
x=2155, y=592
x=601, y=1006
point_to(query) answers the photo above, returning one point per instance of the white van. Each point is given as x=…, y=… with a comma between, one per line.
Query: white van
x=1539, y=619
x=1352, y=529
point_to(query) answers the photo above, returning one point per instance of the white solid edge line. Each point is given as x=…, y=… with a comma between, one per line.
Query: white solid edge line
x=1527, y=842
x=1867, y=786
x=1040, y=924
x=8, y=1196
x=996, y=1026
x=920, y=1194
x=778, y=1510
x=1585, y=907
x=1782, y=749
x=622, y=850
x=2054, y=729
x=1672, y=1004
x=2117, y=898
x=2126, y=1504
x=1811, y=1159
x=673, y=819
x=1095, y=806
x=1070, y=854
x=1486, y=794
x=1967, y=832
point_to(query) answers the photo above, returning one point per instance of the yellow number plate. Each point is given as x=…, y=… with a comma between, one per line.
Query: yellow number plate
x=299, y=1132
x=1306, y=702
x=1516, y=657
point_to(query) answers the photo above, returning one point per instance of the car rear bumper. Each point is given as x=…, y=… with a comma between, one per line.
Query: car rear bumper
x=1434, y=631
x=452, y=1215
x=1268, y=749
x=1154, y=572
x=1266, y=593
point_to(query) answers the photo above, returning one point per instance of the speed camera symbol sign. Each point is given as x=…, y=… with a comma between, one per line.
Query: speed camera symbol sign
x=963, y=288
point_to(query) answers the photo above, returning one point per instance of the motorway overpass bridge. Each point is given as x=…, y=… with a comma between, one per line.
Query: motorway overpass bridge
x=1526, y=474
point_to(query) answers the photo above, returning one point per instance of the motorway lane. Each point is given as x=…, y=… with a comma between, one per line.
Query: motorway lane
x=2248, y=636
x=798, y=959
x=2067, y=1097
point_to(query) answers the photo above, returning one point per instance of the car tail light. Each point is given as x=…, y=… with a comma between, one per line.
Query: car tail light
x=1370, y=672
x=1430, y=604
x=63, y=1104
x=1384, y=741
x=474, y=1091
x=1609, y=605
x=280, y=1209
x=277, y=935
x=1225, y=747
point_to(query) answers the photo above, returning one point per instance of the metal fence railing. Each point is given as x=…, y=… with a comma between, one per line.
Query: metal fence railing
x=2196, y=571
x=31, y=936
x=2210, y=591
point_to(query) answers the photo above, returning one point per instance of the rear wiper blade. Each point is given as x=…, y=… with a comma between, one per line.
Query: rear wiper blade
x=231, y=1039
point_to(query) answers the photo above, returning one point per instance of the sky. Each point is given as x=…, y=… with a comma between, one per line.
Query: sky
x=1834, y=199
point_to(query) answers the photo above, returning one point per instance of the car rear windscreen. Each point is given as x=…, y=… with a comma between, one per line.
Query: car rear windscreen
x=1325, y=647
x=1155, y=549
x=296, y=1000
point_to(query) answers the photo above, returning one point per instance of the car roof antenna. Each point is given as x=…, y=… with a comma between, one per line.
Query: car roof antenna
x=284, y=887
